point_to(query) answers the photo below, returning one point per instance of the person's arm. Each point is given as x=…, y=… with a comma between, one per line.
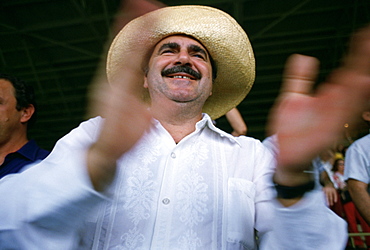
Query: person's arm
x=329, y=190
x=307, y=123
x=237, y=122
x=126, y=119
x=360, y=196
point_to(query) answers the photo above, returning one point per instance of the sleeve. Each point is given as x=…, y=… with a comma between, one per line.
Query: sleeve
x=307, y=225
x=44, y=206
x=356, y=164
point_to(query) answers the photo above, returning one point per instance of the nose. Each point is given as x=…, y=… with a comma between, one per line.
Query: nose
x=183, y=58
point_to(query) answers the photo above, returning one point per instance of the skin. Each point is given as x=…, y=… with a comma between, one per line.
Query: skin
x=237, y=123
x=360, y=196
x=13, y=122
x=178, y=99
x=328, y=189
x=177, y=104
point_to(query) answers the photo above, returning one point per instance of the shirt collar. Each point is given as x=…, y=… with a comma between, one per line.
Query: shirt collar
x=29, y=150
x=206, y=121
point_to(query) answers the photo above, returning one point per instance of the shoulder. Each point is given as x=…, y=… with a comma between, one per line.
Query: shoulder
x=360, y=145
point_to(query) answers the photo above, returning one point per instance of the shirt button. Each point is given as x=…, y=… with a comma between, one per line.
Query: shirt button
x=166, y=201
x=173, y=155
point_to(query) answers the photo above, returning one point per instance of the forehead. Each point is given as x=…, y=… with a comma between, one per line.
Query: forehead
x=182, y=40
x=6, y=85
x=7, y=91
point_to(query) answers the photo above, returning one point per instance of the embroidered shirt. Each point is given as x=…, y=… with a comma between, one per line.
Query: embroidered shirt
x=209, y=191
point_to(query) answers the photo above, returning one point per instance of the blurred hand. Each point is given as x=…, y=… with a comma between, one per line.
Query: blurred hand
x=126, y=119
x=308, y=123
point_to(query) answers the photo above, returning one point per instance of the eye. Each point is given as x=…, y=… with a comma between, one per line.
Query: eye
x=199, y=55
x=167, y=51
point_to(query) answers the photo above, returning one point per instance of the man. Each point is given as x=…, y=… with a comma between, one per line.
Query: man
x=17, y=112
x=357, y=171
x=159, y=175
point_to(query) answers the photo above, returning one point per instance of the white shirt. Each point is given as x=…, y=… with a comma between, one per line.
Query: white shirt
x=357, y=160
x=209, y=191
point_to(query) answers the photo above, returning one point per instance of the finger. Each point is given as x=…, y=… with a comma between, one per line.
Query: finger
x=132, y=9
x=300, y=74
x=329, y=199
x=359, y=52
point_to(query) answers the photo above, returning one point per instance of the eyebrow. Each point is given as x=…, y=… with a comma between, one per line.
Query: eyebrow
x=192, y=47
x=169, y=46
x=197, y=48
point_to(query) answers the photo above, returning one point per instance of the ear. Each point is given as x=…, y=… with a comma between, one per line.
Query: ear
x=27, y=113
x=366, y=116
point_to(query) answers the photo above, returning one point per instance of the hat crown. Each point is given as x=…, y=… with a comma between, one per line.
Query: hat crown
x=223, y=37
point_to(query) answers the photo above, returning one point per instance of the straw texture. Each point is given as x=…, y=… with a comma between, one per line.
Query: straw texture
x=223, y=37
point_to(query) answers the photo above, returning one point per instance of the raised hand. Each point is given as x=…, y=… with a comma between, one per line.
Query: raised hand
x=126, y=119
x=307, y=123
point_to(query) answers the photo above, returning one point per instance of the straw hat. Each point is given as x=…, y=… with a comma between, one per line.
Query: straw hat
x=223, y=37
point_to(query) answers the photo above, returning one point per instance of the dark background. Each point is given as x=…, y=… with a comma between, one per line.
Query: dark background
x=56, y=45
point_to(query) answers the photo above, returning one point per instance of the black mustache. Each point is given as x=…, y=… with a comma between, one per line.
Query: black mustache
x=183, y=69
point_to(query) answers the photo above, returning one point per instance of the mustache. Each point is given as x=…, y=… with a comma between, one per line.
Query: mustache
x=183, y=69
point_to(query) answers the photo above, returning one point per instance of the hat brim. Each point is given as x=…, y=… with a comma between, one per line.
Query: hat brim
x=223, y=37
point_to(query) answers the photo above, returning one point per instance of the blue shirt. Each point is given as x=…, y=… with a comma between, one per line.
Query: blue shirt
x=15, y=161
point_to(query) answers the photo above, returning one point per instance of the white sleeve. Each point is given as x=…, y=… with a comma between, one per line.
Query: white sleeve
x=307, y=225
x=44, y=206
x=357, y=163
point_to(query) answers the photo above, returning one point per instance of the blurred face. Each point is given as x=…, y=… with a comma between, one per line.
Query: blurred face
x=340, y=165
x=10, y=117
x=179, y=70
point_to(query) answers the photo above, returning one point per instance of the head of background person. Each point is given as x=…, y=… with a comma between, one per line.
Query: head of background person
x=230, y=63
x=17, y=104
x=338, y=165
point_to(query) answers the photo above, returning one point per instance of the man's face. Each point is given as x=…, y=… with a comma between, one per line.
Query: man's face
x=10, y=117
x=179, y=70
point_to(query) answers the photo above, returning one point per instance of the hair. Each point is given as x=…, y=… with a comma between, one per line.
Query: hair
x=335, y=165
x=24, y=94
x=214, y=67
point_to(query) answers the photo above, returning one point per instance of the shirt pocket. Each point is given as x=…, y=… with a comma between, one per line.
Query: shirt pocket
x=240, y=214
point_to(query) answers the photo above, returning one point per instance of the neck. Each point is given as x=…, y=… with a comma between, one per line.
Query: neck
x=179, y=121
x=12, y=145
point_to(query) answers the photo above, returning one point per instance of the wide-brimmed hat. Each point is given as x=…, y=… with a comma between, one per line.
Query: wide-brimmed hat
x=219, y=33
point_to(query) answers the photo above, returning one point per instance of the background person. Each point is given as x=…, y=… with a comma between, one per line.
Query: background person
x=17, y=114
x=348, y=209
x=357, y=171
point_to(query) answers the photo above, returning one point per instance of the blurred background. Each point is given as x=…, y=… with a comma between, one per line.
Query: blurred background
x=57, y=46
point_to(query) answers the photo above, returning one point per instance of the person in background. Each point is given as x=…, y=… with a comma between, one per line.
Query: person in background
x=322, y=165
x=17, y=115
x=345, y=206
x=357, y=170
